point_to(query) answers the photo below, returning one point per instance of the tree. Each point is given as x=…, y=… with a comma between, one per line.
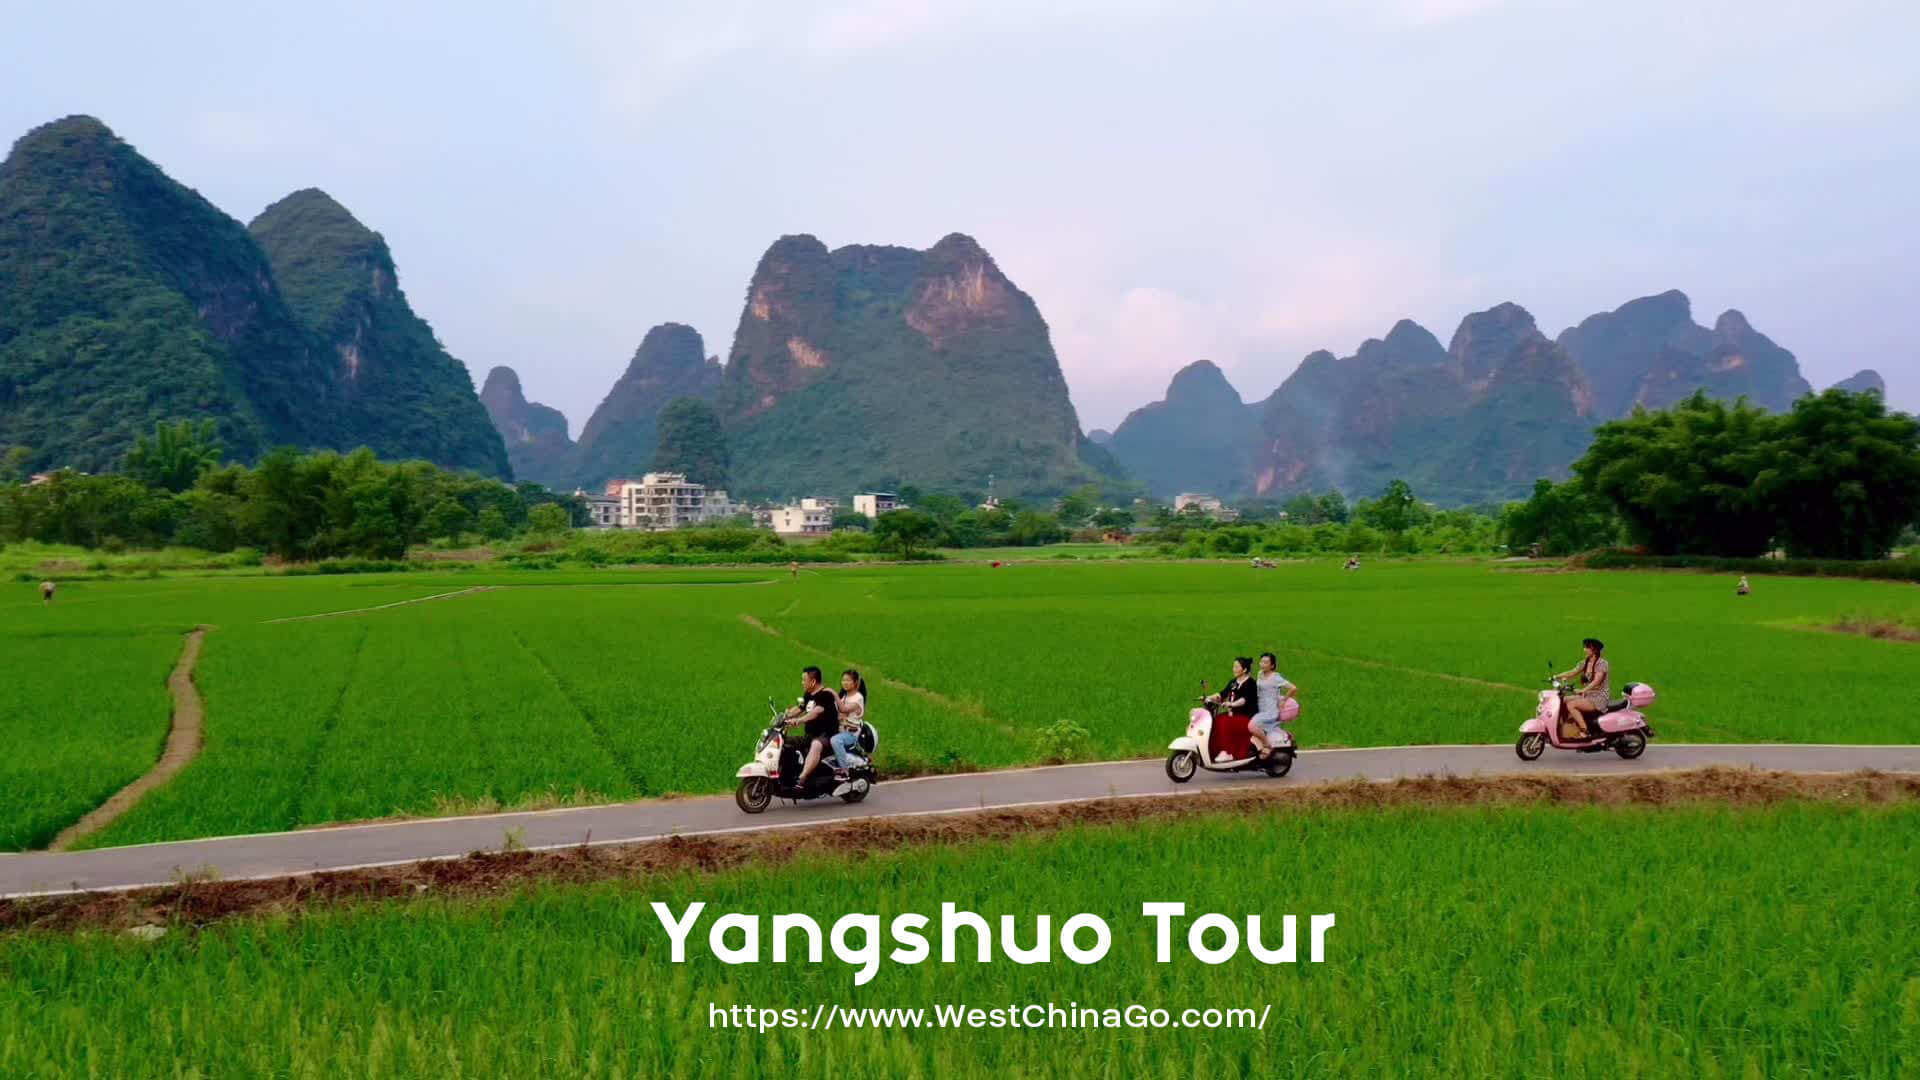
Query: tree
x=1842, y=478
x=174, y=456
x=492, y=523
x=851, y=519
x=1394, y=511
x=13, y=464
x=1333, y=507
x=1076, y=508
x=548, y=519
x=1561, y=518
x=447, y=518
x=905, y=530
x=1684, y=479
x=691, y=442
x=1114, y=517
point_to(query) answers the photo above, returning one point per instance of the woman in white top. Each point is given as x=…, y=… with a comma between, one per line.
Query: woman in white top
x=1271, y=687
x=853, y=712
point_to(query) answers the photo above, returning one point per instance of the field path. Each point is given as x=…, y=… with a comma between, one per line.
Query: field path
x=972, y=708
x=273, y=855
x=183, y=745
x=383, y=607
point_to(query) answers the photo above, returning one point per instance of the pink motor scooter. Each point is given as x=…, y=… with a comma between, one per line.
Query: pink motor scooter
x=1622, y=728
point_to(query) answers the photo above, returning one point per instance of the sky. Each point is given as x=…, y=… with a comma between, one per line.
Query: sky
x=1239, y=182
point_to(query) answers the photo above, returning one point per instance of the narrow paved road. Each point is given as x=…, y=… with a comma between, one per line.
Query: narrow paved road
x=346, y=847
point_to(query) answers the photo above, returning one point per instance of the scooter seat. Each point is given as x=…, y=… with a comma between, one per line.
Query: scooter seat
x=1614, y=706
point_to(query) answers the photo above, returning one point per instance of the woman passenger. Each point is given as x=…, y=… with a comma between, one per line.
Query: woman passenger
x=853, y=711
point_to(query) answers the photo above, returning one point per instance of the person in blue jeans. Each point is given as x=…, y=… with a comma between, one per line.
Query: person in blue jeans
x=1270, y=687
x=853, y=711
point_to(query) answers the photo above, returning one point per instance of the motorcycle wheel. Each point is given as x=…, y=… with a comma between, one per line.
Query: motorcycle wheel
x=1181, y=765
x=1279, y=765
x=754, y=794
x=1631, y=745
x=1531, y=746
x=856, y=795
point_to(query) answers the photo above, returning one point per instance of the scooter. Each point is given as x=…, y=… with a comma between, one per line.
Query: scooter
x=1621, y=727
x=1196, y=750
x=778, y=758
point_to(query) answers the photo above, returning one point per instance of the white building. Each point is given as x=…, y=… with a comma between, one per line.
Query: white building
x=660, y=501
x=1205, y=504
x=875, y=503
x=603, y=511
x=806, y=517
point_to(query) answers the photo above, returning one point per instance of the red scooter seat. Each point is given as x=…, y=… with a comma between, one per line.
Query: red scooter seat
x=1231, y=735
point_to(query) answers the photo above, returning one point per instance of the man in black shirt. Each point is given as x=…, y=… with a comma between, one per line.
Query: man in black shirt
x=820, y=711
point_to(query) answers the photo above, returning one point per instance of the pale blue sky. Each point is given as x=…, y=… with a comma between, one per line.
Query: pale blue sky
x=1244, y=182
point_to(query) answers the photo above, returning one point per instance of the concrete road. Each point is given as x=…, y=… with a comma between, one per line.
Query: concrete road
x=356, y=846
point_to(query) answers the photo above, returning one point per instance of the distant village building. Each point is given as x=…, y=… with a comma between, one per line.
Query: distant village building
x=806, y=517
x=992, y=503
x=657, y=501
x=1205, y=504
x=603, y=511
x=875, y=503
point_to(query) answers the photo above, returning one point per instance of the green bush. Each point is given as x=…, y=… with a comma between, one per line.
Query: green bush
x=1883, y=569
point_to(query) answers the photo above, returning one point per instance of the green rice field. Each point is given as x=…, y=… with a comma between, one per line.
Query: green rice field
x=549, y=688
x=1603, y=942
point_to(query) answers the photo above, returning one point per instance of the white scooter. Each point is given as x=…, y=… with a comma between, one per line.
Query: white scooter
x=778, y=757
x=1198, y=749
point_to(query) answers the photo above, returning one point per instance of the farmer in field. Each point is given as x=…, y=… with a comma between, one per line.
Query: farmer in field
x=820, y=711
x=46, y=592
x=1592, y=677
x=794, y=569
x=1269, y=688
x=1743, y=588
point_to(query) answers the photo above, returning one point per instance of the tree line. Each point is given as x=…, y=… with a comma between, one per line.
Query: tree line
x=174, y=489
x=1836, y=477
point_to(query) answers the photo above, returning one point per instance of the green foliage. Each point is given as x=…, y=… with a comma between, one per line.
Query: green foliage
x=1839, y=476
x=297, y=507
x=905, y=531
x=548, y=519
x=1560, y=518
x=174, y=456
x=1843, y=477
x=851, y=519
x=1683, y=478
x=692, y=442
x=1063, y=741
x=1907, y=569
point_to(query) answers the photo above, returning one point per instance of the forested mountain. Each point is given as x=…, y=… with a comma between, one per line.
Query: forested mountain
x=1195, y=439
x=623, y=435
x=1650, y=352
x=536, y=435
x=126, y=299
x=1480, y=418
x=872, y=365
x=399, y=391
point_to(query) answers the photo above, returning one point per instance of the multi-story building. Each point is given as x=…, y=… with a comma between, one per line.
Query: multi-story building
x=659, y=501
x=808, y=516
x=875, y=503
x=603, y=511
x=1205, y=504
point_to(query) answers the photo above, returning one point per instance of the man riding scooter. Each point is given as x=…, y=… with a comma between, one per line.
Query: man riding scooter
x=819, y=710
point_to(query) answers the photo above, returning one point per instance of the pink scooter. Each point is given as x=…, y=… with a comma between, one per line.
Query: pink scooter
x=1622, y=728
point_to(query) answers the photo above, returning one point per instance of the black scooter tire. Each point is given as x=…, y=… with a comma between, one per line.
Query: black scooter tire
x=1531, y=746
x=1280, y=764
x=754, y=794
x=1181, y=765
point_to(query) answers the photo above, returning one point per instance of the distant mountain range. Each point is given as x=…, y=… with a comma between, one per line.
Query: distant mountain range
x=1478, y=419
x=126, y=299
